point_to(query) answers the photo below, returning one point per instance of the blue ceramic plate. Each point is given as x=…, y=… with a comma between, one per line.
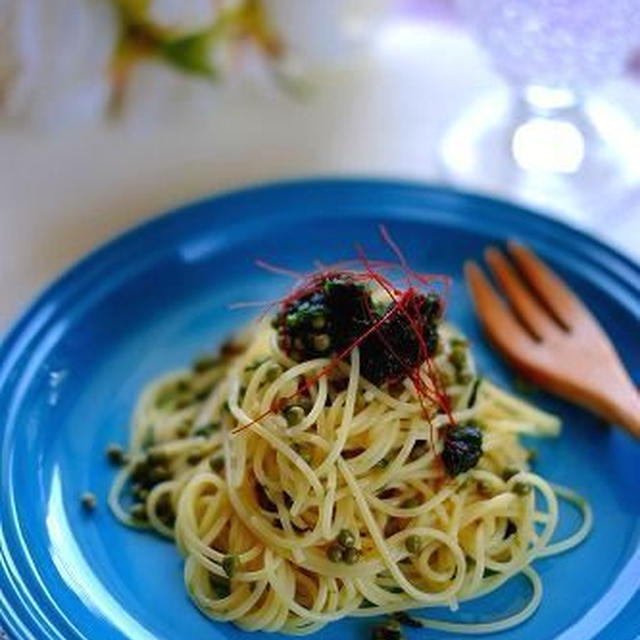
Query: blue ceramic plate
x=149, y=301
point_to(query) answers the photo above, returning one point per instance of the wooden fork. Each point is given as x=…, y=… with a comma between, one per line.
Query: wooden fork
x=550, y=336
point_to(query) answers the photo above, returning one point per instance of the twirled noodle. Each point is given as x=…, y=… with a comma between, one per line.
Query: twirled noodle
x=256, y=502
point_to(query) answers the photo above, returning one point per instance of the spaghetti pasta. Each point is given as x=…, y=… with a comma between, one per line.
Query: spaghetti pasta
x=301, y=492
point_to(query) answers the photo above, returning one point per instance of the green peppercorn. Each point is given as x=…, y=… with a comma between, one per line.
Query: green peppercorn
x=351, y=555
x=273, y=372
x=411, y=503
x=346, y=539
x=183, y=385
x=413, y=544
x=184, y=401
x=335, y=553
x=395, y=388
x=292, y=320
x=88, y=501
x=165, y=398
x=115, y=454
x=318, y=321
x=205, y=363
x=194, y=458
x=521, y=488
x=509, y=472
x=138, y=511
x=485, y=489
x=159, y=474
x=321, y=342
x=294, y=415
x=458, y=358
x=446, y=378
x=204, y=393
x=206, y=430
x=230, y=565
x=216, y=464
x=183, y=430
x=276, y=321
x=157, y=457
x=304, y=452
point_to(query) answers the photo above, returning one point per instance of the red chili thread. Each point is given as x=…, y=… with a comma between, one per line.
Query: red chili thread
x=411, y=371
x=372, y=273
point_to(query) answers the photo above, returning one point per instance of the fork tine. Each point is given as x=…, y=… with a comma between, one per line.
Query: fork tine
x=503, y=329
x=553, y=291
x=528, y=310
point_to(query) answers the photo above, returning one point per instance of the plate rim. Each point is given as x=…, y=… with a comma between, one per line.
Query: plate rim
x=34, y=318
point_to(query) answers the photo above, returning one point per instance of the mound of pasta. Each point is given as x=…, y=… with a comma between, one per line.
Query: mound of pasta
x=343, y=458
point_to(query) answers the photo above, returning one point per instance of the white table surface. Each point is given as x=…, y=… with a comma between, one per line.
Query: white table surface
x=62, y=195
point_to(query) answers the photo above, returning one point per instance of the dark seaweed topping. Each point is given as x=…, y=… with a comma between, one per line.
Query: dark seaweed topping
x=338, y=310
x=462, y=448
x=324, y=321
x=405, y=619
x=396, y=346
x=389, y=631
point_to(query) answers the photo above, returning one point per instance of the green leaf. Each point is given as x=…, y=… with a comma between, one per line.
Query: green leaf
x=191, y=54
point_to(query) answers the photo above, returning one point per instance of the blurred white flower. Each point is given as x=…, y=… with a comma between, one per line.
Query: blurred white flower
x=66, y=61
x=182, y=17
x=55, y=59
x=177, y=18
x=317, y=30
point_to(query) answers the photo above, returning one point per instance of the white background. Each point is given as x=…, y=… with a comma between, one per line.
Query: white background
x=62, y=194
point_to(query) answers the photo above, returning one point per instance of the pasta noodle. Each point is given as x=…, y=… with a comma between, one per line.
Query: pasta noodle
x=338, y=505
